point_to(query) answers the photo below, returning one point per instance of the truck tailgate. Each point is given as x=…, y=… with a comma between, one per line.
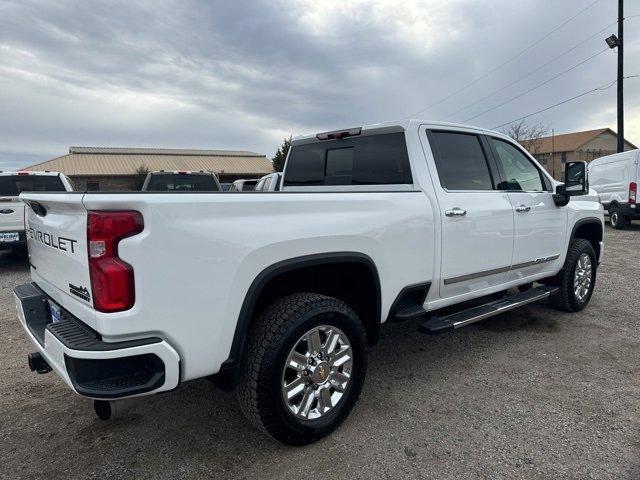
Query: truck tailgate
x=56, y=229
x=11, y=215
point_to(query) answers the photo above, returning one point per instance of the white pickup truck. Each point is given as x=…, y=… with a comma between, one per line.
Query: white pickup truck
x=12, y=231
x=279, y=294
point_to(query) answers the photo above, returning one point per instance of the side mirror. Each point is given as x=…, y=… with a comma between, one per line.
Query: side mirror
x=575, y=183
x=575, y=178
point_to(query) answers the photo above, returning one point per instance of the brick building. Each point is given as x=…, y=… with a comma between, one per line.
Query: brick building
x=100, y=168
x=554, y=151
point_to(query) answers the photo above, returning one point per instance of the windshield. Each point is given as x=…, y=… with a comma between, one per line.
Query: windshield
x=13, y=185
x=192, y=182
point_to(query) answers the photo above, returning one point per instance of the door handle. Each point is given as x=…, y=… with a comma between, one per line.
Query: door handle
x=455, y=212
x=522, y=208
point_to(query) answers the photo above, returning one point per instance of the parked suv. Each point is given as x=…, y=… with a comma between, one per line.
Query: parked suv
x=12, y=230
x=163, y=181
x=279, y=296
x=616, y=178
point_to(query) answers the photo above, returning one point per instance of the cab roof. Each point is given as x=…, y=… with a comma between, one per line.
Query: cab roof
x=392, y=126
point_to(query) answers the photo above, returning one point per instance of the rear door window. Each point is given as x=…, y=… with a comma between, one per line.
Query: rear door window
x=362, y=160
x=13, y=185
x=460, y=160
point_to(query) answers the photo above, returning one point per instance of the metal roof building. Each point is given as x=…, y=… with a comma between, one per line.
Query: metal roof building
x=556, y=150
x=107, y=168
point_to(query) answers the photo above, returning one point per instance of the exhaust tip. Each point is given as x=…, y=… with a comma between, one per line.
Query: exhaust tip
x=112, y=409
x=37, y=363
x=103, y=409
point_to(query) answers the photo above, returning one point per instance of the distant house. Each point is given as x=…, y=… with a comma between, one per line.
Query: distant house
x=554, y=151
x=99, y=168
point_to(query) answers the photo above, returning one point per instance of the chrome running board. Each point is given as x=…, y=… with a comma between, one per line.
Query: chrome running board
x=456, y=320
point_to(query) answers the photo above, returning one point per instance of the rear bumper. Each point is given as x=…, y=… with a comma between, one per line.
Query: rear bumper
x=630, y=210
x=627, y=210
x=91, y=367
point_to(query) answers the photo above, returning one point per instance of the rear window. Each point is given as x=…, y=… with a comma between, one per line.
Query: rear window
x=169, y=182
x=13, y=185
x=368, y=160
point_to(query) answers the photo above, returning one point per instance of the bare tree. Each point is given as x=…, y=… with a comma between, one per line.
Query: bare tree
x=529, y=136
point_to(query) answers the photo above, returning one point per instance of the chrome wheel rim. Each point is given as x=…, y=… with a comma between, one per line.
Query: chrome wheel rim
x=614, y=218
x=582, y=277
x=317, y=372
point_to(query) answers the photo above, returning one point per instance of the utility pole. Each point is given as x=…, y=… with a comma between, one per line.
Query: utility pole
x=553, y=153
x=620, y=76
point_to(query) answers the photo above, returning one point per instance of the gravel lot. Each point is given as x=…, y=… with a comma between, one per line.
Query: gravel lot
x=530, y=394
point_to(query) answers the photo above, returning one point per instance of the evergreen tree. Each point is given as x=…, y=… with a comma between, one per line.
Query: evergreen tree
x=281, y=155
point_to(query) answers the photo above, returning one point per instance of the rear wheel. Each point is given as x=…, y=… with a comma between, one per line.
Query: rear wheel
x=304, y=368
x=577, y=278
x=616, y=219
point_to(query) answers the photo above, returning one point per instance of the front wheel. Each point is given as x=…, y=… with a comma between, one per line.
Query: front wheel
x=304, y=368
x=577, y=278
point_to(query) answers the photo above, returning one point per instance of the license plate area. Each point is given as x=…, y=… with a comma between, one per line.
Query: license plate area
x=9, y=237
x=55, y=312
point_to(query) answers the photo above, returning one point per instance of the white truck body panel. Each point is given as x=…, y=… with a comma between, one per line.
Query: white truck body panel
x=199, y=253
x=12, y=216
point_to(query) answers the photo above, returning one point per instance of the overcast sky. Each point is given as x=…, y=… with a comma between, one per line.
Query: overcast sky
x=245, y=74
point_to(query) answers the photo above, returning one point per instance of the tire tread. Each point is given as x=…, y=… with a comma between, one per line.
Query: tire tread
x=269, y=331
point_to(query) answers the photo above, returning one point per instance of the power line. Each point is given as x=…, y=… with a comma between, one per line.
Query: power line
x=537, y=86
x=602, y=87
x=511, y=59
x=467, y=106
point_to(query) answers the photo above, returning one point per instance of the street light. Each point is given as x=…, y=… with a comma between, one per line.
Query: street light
x=613, y=41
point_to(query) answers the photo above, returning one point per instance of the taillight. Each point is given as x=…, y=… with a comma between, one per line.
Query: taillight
x=633, y=191
x=112, y=283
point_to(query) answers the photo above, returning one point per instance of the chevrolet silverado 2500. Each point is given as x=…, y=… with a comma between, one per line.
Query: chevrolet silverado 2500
x=278, y=295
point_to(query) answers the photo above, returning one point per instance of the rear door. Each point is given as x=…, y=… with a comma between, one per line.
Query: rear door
x=477, y=219
x=540, y=227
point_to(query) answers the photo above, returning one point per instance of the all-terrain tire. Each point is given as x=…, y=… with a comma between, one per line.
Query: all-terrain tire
x=270, y=341
x=566, y=298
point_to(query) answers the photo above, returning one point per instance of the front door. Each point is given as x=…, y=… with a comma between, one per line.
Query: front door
x=476, y=218
x=540, y=227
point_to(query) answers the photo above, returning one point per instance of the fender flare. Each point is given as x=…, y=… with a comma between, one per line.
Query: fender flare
x=585, y=221
x=229, y=372
x=588, y=221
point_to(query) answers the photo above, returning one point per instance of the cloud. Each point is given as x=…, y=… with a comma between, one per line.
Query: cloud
x=242, y=75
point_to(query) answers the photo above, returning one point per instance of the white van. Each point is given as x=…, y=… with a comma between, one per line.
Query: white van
x=615, y=178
